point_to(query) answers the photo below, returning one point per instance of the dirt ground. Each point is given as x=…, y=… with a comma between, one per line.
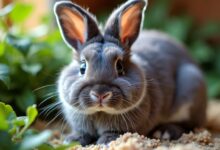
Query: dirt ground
x=199, y=139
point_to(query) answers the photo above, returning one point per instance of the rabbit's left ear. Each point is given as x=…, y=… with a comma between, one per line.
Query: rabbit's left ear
x=125, y=22
x=76, y=24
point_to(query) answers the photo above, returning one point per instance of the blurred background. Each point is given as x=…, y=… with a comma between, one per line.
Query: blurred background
x=32, y=52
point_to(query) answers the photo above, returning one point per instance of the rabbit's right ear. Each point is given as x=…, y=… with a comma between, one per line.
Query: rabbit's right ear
x=76, y=24
x=126, y=22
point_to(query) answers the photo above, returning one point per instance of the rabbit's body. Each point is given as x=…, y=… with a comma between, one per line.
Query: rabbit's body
x=169, y=68
x=118, y=84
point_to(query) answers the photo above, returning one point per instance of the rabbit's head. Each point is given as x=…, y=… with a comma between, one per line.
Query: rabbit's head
x=102, y=75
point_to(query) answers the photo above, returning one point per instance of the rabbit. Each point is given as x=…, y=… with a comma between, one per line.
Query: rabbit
x=122, y=79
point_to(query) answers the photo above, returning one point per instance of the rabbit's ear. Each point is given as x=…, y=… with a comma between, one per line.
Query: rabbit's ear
x=76, y=24
x=126, y=22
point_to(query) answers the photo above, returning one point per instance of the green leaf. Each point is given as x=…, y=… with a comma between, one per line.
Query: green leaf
x=32, y=68
x=2, y=49
x=4, y=124
x=20, y=12
x=4, y=74
x=31, y=142
x=7, y=114
x=22, y=44
x=4, y=69
x=12, y=56
x=20, y=121
x=31, y=114
x=5, y=80
x=7, y=111
x=40, y=50
x=27, y=98
x=13, y=130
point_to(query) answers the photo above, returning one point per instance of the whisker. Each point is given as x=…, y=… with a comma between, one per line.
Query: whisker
x=63, y=126
x=131, y=120
x=122, y=115
x=52, y=96
x=58, y=114
x=49, y=85
x=51, y=110
x=50, y=107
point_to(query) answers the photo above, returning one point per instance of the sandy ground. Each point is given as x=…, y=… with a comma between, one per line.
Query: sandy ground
x=199, y=139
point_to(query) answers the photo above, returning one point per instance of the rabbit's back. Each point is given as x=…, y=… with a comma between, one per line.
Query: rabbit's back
x=160, y=57
x=152, y=44
x=161, y=53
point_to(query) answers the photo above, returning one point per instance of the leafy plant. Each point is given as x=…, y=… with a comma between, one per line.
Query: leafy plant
x=13, y=129
x=29, y=61
x=15, y=132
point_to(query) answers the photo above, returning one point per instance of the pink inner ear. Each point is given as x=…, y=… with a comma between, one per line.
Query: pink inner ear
x=73, y=24
x=130, y=22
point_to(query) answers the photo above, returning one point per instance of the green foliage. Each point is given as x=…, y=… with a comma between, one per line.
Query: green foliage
x=15, y=132
x=13, y=128
x=29, y=60
x=29, y=64
x=4, y=74
x=7, y=115
x=16, y=126
x=23, y=10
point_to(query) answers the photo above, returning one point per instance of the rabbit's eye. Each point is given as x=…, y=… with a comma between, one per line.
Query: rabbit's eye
x=82, y=67
x=119, y=67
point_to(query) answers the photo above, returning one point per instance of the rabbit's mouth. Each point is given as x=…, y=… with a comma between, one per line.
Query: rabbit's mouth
x=104, y=107
x=115, y=109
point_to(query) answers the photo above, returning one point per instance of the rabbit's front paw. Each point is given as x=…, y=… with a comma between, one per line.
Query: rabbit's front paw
x=83, y=139
x=107, y=138
x=167, y=132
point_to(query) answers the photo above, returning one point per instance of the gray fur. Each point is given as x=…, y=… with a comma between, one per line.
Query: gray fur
x=159, y=78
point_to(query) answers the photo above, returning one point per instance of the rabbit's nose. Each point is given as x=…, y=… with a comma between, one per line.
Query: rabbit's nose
x=100, y=96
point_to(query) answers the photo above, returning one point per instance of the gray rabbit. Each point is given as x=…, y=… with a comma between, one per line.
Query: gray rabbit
x=126, y=80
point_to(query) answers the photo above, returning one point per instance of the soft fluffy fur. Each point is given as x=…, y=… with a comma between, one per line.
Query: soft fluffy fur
x=161, y=88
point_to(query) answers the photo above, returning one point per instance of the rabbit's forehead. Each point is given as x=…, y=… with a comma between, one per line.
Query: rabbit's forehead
x=106, y=50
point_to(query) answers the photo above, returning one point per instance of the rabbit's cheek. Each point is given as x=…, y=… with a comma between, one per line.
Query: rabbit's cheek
x=115, y=104
x=84, y=97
